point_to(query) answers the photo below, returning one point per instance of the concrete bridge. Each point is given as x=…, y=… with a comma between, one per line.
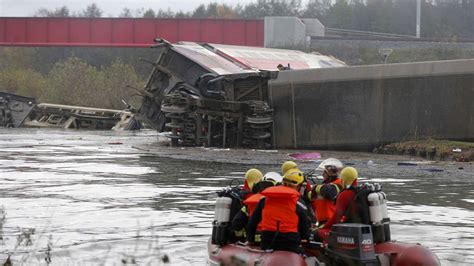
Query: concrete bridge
x=365, y=106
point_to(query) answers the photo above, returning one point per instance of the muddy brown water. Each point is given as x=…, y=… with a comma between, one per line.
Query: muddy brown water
x=114, y=197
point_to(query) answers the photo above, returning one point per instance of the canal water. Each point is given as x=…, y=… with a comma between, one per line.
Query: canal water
x=100, y=198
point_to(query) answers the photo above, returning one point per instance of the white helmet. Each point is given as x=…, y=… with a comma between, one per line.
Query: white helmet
x=273, y=176
x=331, y=161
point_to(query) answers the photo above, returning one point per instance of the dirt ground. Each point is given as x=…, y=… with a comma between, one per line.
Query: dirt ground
x=252, y=156
x=442, y=150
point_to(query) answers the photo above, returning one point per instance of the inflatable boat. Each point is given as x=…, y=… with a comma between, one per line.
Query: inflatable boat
x=368, y=243
x=390, y=253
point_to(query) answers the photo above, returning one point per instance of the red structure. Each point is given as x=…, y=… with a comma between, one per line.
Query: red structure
x=127, y=32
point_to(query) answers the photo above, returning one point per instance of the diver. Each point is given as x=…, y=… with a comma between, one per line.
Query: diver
x=240, y=221
x=304, y=190
x=280, y=216
x=346, y=210
x=252, y=176
x=238, y=194
x=323, y=196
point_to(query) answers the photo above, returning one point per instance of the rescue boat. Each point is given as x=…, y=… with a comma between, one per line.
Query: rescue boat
x=239, y=254
x=384, y=254
x=367, y=243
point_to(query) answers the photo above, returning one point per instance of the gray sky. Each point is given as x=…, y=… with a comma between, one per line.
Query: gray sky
x=21, y=8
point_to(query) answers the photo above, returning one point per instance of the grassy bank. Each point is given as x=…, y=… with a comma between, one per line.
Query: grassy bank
x=432, y=149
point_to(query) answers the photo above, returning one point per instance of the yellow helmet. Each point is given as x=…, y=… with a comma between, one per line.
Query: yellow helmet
x=287, y=166
x=348, y=176
x=253, y=176
x=294, y=177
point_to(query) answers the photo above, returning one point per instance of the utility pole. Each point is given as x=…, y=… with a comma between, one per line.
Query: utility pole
x=418, y=17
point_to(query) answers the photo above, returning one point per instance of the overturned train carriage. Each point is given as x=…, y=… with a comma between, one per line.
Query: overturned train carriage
x=14, y=109
x=18, y=111
x=217, y=95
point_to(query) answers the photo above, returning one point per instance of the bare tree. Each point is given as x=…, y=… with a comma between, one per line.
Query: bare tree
x=92, y=11
x=149, y=13
x=126, y=13
x=58, y=12
x=165, y=13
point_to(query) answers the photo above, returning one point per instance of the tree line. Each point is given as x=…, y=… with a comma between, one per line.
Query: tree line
x=71, y=81
x=440, y=18
x=103, y=77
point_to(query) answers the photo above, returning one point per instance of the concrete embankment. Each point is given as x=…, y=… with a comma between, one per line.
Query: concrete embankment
x=362, y=107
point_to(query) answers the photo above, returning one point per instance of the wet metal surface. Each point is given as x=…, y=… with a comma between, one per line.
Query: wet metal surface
x=98, y=198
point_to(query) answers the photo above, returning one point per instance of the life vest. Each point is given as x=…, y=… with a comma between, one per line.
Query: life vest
x=279, y=213
x=252, y=202
x=325, y=208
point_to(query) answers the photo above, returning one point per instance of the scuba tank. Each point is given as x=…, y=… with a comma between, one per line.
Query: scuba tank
x=371, y=205
x=378, y=214
x=383, y=209
x=222, y=209
x=385, y=218
x=228, y=204
x=375, y=211
x=220, y=226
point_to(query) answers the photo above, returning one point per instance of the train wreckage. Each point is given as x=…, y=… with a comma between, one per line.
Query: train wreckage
x=217, y=95
x=234, y=96
x=19, y=111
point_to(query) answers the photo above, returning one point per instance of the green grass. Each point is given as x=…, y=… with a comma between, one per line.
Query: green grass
x=441, y=145
x=432, y=149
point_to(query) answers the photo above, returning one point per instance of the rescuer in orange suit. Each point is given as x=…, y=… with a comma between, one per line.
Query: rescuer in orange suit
x=305, y=189
x=344, y=208
x=281, y=216
x=240, y=221
x=323, y=196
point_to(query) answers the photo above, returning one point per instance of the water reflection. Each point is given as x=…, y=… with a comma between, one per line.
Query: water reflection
x=104, y=203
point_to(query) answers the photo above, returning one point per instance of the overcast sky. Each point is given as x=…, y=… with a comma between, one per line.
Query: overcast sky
x=20, y=8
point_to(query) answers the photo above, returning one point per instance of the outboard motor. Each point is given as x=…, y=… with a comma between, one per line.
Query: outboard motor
x=352, y=244
x=220, y=226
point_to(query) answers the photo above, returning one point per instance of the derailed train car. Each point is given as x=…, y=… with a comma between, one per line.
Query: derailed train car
x=14, y=109
x=217, y=95
x=22, y=112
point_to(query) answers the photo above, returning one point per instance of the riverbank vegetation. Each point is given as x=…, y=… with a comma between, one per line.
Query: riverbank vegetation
x=31, y=247
x=432, y=149
x=69, y=80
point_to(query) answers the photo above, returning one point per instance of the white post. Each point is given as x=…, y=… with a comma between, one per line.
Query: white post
x=418, y=16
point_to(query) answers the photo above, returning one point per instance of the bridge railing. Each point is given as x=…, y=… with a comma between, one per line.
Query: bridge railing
x=127, y=32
